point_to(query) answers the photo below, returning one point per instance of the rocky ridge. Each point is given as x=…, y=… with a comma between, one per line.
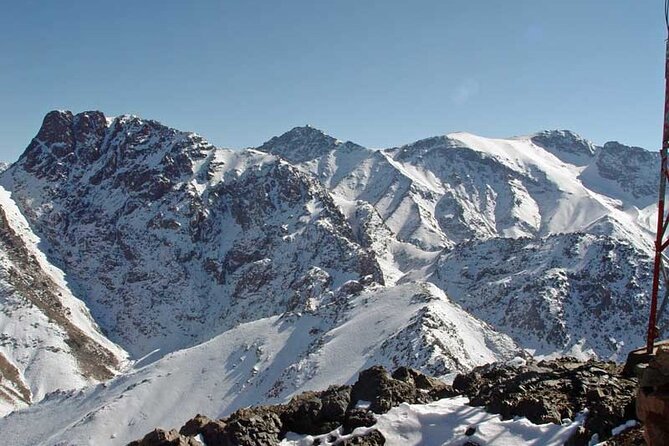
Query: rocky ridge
x=134, y=210
x=543, y=392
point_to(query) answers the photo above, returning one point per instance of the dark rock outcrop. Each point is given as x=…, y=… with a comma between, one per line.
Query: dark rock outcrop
x=314, y=413
x=373, y=438
x=211, y=430
x=161, y=437
x=550, y=391
x=543, y=392
x=384, y=391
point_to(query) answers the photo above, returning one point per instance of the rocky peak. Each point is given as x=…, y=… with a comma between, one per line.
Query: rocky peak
x=634, y=155
x=78, y=151
x=303, y=144
x=418, y=149
x=56, y=127
x=566, y=145
x=636, y=170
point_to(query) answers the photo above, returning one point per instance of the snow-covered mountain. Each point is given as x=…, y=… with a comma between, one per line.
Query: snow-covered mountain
x=573, y=294
x=440, y=191
x=173, y=241
x=49, y=341
x=247, y=276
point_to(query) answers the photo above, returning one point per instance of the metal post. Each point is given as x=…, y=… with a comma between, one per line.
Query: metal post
x=662, y=220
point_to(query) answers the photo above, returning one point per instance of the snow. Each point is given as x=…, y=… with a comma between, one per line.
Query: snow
x=623, y=427
x=445, y=423
x=362, y=404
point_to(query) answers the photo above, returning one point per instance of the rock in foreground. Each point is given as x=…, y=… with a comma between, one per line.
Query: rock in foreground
x=543, y=392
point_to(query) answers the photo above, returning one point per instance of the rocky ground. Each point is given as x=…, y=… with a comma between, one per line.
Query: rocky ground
x=543, y=392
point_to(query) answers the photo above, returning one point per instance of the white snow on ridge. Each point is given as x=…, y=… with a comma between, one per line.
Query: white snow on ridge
x=80, y=314
x=577, y=207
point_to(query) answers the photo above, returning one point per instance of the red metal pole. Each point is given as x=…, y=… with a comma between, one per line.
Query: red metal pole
x=661, y=221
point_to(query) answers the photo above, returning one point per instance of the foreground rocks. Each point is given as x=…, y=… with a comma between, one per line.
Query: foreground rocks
x=551, y=391
x=315, y=413
x=546, y=391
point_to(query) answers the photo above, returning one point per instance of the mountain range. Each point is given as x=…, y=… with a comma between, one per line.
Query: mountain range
x=146, y=275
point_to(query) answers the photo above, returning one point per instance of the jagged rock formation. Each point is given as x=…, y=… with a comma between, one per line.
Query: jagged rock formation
x=631, y=171
x=543, y=392
x=311, y=412
x=550, y=391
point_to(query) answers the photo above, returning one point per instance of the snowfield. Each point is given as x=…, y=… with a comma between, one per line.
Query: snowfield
x=445, y=423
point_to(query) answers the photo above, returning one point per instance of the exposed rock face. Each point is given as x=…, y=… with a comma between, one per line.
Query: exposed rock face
x=550, y=391
x=160, y=437
x=317, y=412
x=566, y=145
x=383, y=391
x=150, y=220
x=636, y=170
x=580, y=294
x=304, y=144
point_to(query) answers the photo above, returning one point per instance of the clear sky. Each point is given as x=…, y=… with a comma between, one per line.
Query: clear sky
x=377, y=72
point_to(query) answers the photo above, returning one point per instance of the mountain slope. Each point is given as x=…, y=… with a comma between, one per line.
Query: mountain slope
x=49, y=340
x=440, y=191
x=269, y=360
x=236, y=277
x=571, y=294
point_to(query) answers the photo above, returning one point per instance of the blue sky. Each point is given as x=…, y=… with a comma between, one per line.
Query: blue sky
x=380, y=73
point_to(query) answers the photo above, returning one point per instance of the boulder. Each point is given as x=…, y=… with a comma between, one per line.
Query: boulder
x=316, y=412
x=160, y=437
x=254, y=426
x=383, y=392
x=212, y=431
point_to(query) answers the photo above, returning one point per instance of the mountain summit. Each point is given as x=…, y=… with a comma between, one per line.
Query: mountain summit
x=303, y=144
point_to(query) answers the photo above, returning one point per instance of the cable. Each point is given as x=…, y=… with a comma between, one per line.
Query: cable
x=666, y=14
